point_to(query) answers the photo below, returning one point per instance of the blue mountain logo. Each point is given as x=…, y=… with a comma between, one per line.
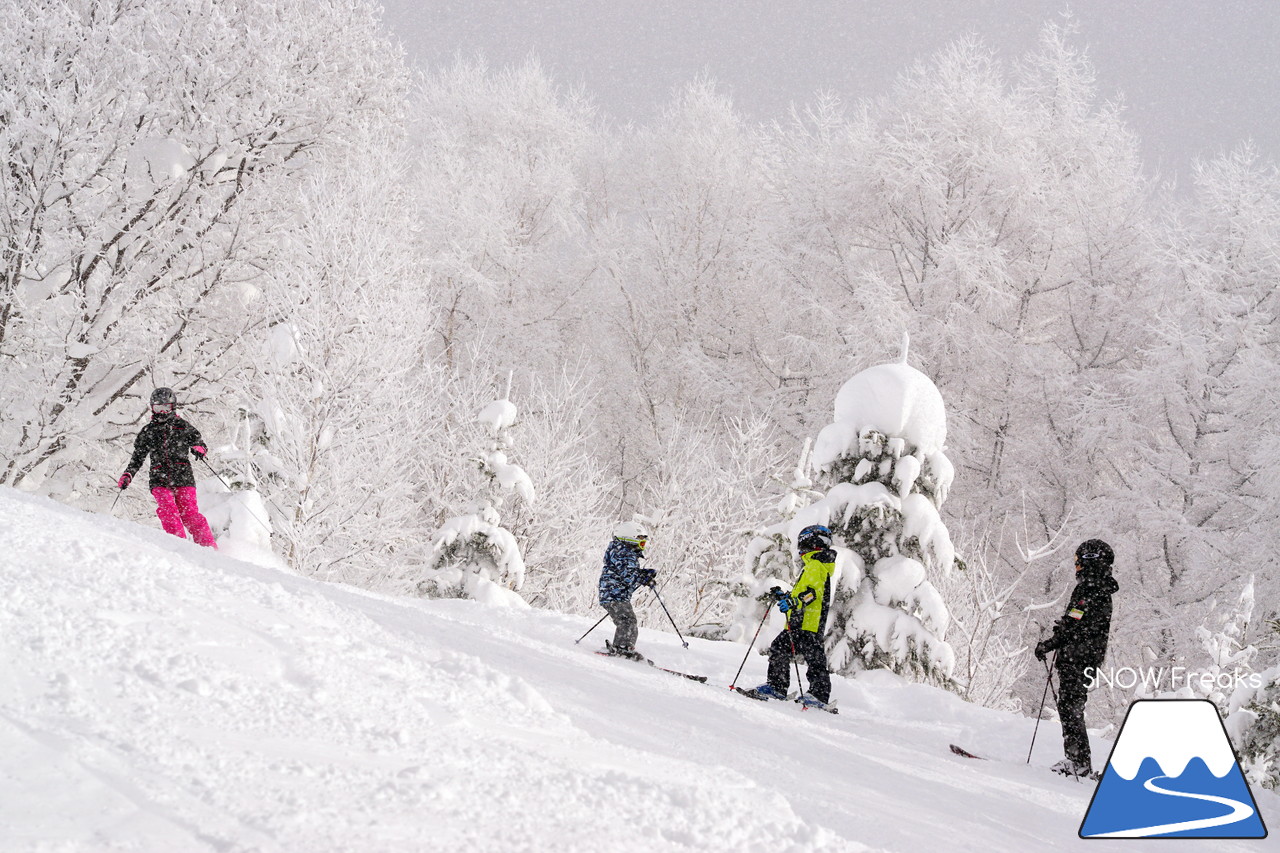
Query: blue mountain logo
x=1173, y=774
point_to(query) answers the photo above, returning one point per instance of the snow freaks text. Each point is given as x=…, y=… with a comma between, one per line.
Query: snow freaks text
x=1172, y=678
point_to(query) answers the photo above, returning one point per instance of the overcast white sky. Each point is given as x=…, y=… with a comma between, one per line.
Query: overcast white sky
x=1197, y=76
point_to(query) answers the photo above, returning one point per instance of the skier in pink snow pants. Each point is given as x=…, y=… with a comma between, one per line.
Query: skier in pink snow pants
x=167, y=439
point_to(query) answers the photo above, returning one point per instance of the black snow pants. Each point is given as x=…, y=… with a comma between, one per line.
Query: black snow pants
x=809, y=646
x=1072, y=695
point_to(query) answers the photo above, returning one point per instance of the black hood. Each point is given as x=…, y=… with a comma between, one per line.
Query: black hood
x=1098, y=576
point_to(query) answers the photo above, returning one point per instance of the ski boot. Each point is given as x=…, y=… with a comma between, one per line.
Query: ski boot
x=1073, y=769
x=619, y=652
x=810, y=701
x=765, y=691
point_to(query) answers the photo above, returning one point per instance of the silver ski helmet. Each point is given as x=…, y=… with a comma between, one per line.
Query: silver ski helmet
x=815, y=537
x=163, y=401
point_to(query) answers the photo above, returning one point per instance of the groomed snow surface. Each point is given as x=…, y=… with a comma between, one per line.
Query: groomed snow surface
x=155, y=696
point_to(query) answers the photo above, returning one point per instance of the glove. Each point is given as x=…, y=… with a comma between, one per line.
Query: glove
x=1042, y=649
x=199, y=451
x=647, y=576
x=777, y=593
x=125, y=479
x=788, y=603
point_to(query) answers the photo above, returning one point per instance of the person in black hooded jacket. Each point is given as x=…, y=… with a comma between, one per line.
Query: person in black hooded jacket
x=1080, y=640
x=167, y=439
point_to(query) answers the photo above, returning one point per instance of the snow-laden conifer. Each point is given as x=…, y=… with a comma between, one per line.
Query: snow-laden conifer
x=473, y=555
x=1254, y=726
x=886, y=475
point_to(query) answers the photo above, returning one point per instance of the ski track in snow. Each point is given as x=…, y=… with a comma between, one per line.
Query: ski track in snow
x=1239, y=811
x=155, y=696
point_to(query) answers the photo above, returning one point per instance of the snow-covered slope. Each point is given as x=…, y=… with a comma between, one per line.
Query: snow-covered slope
x=155, y=696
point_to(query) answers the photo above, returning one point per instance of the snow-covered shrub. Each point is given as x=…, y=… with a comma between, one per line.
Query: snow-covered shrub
x=771, y=558
x=1254, y=726
x=698, y=502
x=1229, y=652
x=988, y=626
x=1252, y=709
x=473, y=553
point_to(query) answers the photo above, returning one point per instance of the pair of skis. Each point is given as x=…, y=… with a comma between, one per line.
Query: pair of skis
x=702, y=679
x=699, y=678
x=751, y=694
x=964, y=753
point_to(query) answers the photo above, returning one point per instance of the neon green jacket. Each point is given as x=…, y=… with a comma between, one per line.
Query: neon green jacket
x=813, y=589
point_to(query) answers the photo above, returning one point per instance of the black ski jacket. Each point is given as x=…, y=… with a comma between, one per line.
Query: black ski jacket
x=1081, y=634
x=167, y=439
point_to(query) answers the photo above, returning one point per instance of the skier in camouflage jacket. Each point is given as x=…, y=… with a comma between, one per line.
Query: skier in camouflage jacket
x=621, y=576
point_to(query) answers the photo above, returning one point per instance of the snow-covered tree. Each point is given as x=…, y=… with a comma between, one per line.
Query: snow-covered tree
x=699, y=498
x=499, y=159
x=1248, y=699
x=682, y=266
x=1227, y=647
x=563, y=533
x=988, y=630
x=334, y=427
x=148, y=145
x=1253, y=712
x=996, y=213
x=473, y=555
x=886, y=476
x=1206, y=469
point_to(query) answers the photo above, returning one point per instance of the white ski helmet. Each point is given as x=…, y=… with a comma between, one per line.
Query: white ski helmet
x=630, y=531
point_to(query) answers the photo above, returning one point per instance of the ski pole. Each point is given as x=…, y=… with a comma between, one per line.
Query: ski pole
x=265, y=526
x=589, y=630
x=791, y=638
x=683, y=642
x=750, y=647
x=112, y=512
x=1051, y=690
x=1036, y=731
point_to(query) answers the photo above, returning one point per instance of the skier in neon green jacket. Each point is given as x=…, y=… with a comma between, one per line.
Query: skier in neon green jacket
x=806, y=608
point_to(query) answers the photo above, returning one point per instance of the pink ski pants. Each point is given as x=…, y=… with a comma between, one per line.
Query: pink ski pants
x=176, y=508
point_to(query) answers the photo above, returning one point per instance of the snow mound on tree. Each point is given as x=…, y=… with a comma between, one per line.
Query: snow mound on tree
x=894, y=399
x=498, y=415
